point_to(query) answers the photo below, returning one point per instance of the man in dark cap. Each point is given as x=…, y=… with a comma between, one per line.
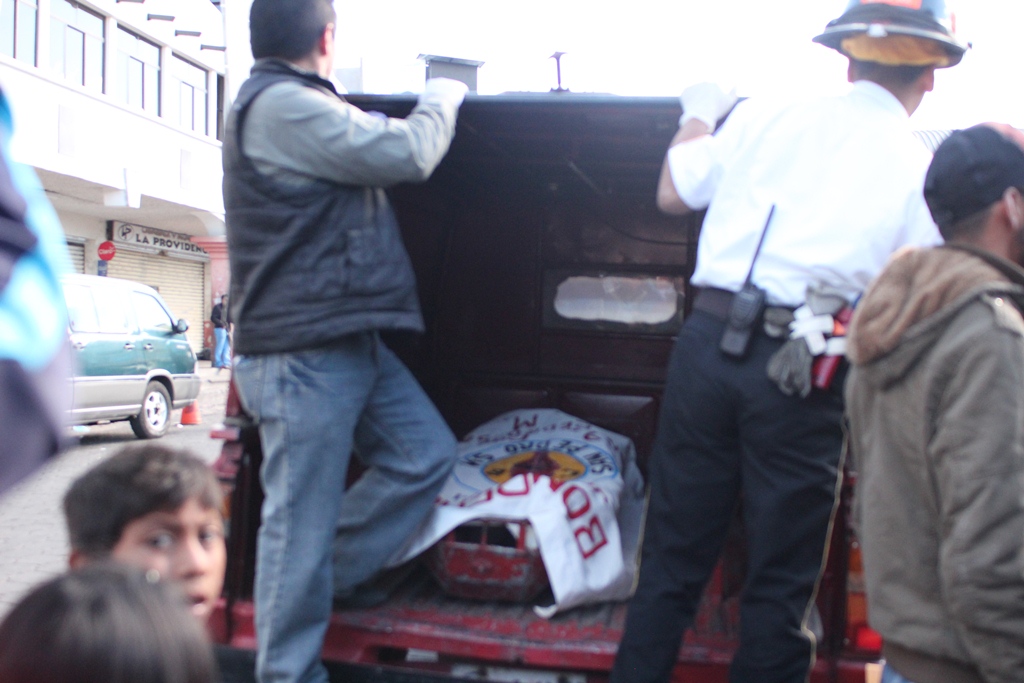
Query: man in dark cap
x=935, y=399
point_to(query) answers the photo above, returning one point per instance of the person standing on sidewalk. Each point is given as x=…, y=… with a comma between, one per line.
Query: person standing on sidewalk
x=221, y=319
x=805, y=203
x=318, y=270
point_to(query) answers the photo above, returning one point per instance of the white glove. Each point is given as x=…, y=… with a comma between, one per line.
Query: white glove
x=446, y=90
x=706, y=102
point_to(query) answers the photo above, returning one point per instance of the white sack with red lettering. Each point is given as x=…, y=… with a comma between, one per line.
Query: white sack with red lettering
x=576, y=483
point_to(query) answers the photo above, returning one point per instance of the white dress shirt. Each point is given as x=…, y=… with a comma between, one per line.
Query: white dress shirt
x=845, y=175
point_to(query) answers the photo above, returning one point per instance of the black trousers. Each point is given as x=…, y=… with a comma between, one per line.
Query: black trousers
x=725, y=430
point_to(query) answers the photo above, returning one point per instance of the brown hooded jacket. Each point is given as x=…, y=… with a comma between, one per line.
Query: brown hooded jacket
x=935, y=399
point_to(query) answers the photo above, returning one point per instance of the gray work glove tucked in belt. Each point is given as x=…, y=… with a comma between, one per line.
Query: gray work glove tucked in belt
x=807, y=329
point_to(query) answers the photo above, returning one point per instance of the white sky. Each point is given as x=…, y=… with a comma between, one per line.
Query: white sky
x=657, y=47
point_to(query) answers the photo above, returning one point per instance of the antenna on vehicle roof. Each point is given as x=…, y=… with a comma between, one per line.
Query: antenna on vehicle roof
x=558, y=65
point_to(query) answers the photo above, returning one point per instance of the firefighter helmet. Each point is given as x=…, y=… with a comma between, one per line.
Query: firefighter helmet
x=896, y=32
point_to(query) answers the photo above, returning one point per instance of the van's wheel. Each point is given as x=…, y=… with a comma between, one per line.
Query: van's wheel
x=155, y=416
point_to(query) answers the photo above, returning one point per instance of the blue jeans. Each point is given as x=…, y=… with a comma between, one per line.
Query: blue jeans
x=222, y=350
x=313, y=408
x=889, y=675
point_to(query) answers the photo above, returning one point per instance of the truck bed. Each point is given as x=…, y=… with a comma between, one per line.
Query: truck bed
x=537, y=192
x=421, y=629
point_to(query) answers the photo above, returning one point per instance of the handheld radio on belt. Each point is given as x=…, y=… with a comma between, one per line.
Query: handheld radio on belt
x=746, y=309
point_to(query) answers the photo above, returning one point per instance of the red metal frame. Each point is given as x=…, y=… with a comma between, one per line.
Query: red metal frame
x=373, y=639
x=485, y=569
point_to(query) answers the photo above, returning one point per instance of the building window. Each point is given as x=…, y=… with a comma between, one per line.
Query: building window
x=18, y=20
x=76, y=44
x=138, y=72
x=188, y=88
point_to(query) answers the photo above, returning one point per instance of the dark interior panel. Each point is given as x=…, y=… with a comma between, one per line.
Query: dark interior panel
x=632, y=416
x=533, y=190
x=581, y=355
x=472, y=405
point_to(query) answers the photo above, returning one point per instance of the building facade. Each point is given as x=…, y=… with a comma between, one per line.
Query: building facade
x=118, y=105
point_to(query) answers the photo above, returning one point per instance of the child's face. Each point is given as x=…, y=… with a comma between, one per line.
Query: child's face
x=186, y=545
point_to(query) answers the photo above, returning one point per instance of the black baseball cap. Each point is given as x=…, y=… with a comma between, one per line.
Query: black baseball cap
x=971, y=170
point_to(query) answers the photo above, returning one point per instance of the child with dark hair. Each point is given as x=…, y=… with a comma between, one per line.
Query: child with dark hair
x=106, y=623
x=156, y=508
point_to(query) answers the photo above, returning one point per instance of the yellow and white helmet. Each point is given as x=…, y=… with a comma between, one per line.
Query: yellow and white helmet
x=896, y=33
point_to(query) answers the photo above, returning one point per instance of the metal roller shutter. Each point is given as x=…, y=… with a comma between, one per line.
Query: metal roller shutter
x=180, y=282
x=77, y=252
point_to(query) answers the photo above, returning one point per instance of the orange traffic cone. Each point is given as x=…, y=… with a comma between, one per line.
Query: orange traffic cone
x=190, y=414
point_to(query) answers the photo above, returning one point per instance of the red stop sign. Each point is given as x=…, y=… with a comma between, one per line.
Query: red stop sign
x=106, y=250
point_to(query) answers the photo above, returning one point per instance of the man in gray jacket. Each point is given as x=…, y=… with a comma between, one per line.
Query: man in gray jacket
x=935, y=400
x=318, y=269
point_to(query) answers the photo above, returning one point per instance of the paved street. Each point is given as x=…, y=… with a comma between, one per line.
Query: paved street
x=33, y=543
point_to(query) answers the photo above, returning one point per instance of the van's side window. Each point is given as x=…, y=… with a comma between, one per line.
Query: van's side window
x=152, y=316
x=112, y=310
x=81, y=309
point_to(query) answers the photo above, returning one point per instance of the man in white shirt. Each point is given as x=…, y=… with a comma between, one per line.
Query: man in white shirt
x=805, y=203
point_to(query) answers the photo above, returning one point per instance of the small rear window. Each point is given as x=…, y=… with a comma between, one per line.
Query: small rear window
x=629, y=300
x=637, y=302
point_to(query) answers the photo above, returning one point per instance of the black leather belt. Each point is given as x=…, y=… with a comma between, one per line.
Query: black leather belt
x=714, y=301
x=717, y=301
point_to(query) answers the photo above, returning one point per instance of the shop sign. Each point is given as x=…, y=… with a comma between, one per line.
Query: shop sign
x=154, y=238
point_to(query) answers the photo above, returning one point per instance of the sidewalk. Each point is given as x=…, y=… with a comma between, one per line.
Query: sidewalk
x=214, y=393
x=212, y=374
